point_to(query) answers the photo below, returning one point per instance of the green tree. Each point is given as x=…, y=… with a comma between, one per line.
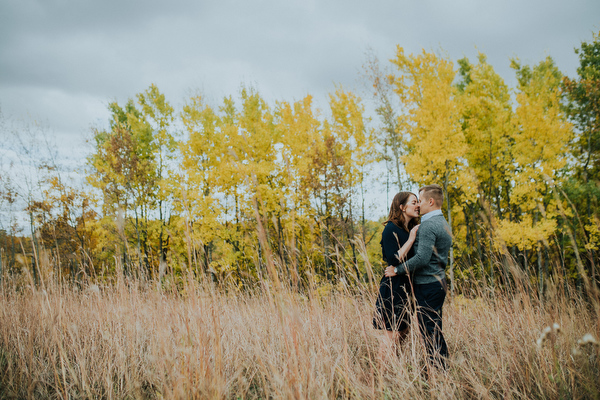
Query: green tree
x=123, y=168
x=583, y=105
x=158, y=114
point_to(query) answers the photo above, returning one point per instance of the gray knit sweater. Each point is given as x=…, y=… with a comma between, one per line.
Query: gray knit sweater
x=432, y=246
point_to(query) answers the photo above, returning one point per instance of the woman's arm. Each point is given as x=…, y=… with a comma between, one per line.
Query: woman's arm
x=400, y=255
x=403, y=251
x=390, y=243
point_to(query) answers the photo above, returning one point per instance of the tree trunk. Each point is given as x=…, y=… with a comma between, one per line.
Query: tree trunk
x=162, y=250
x=12, y=250
x=591, y=251
x=449, y=208
x=451, y=255
x=540, y=269
x=139, y=247
x=35, y=250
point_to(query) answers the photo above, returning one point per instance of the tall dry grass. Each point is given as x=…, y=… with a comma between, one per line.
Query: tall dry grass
x=133, y=341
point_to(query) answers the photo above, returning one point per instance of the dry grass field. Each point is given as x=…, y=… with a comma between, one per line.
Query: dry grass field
x=132, y=341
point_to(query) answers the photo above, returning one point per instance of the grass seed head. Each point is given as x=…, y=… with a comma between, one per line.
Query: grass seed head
x=549, y=330
x=588, y=338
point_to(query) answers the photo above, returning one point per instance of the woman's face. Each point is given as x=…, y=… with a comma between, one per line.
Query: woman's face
x=411, y=209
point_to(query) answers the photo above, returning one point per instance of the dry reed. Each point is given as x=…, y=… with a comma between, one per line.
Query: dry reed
x=130, y=340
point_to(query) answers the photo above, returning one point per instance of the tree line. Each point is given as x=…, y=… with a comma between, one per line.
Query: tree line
x=244, y=190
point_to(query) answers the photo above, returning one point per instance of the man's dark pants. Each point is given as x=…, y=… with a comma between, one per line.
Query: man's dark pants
x=430, y=299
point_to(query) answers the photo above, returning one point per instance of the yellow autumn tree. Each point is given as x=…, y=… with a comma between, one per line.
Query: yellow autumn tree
x=349, y=126
x=299, y=132
x=230, y=181
x=254, y=151
x=198, y=190
x=486, y=124
x=540, y=134
x=157, y=113
x=487, y=113
x=432, y=122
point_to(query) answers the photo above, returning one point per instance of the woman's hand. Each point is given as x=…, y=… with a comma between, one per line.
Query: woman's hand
x=401, y=254
x=413, y=232
x=389, y=271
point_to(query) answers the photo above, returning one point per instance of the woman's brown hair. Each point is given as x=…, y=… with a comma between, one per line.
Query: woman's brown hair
x=396, y=212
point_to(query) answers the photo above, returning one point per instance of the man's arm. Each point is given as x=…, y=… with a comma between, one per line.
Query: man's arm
x=424, y=250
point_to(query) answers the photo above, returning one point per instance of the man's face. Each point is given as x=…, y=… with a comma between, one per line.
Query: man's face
x=425, y=204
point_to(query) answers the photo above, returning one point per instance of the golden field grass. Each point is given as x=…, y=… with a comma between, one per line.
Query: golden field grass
x=136, y=341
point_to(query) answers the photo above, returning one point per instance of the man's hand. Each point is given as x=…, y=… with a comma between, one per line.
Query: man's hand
x=389, y=271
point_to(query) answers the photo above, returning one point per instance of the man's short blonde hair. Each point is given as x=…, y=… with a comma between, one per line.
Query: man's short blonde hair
x=434, y=192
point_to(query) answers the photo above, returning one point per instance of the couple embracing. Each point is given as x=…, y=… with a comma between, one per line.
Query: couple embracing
x=415, y=277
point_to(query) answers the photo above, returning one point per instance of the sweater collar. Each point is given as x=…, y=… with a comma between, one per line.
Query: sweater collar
x=430, y=214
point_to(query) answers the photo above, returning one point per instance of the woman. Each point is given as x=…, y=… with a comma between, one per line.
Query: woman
x=398, y=237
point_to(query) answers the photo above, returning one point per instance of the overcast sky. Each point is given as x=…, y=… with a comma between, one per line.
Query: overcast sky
x=62, y=61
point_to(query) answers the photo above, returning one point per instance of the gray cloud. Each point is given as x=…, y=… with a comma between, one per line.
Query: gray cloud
x=63, y=61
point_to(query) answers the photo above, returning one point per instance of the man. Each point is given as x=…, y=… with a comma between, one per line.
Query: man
x=432, y=246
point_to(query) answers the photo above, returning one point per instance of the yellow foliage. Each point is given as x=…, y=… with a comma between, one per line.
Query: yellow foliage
x=593, y=231
x=525, y=234
x=437, y=144
x=487, y=112
x=540, y=136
